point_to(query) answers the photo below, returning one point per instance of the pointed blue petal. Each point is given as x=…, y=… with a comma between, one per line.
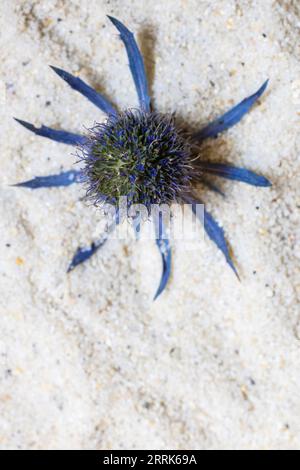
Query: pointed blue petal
x=230, y=118
x=164, y=247
x=92, y=95
x=85, y=253
x=236, y=174
x=58, y=136
x=62, y=179
x=165, y=251
x=216, y=234
x=82, y=255
x=136, y=63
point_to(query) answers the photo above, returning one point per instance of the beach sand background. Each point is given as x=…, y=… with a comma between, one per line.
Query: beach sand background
x=87, y=360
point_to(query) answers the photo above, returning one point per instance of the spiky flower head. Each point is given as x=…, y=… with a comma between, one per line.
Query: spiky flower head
x=145, y=157
x=139, y=155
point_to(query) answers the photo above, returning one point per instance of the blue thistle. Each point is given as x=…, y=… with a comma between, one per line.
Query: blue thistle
x=138, y=155
x=145, y=156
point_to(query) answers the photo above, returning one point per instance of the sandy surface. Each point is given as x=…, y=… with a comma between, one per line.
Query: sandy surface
x=87, y=360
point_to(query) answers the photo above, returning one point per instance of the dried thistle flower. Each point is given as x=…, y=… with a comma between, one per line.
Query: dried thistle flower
x=145, y=156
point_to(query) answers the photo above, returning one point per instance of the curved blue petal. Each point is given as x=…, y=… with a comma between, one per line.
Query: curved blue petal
x=82, y=254
x=62, y=179
x=216, y=234
x=63, y=137
x=236, y=174
x=136, y=63
x=230, y=118
x=165, y=251
x=92, y=95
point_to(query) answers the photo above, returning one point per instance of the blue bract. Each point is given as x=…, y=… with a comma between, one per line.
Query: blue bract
x=145, y=157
